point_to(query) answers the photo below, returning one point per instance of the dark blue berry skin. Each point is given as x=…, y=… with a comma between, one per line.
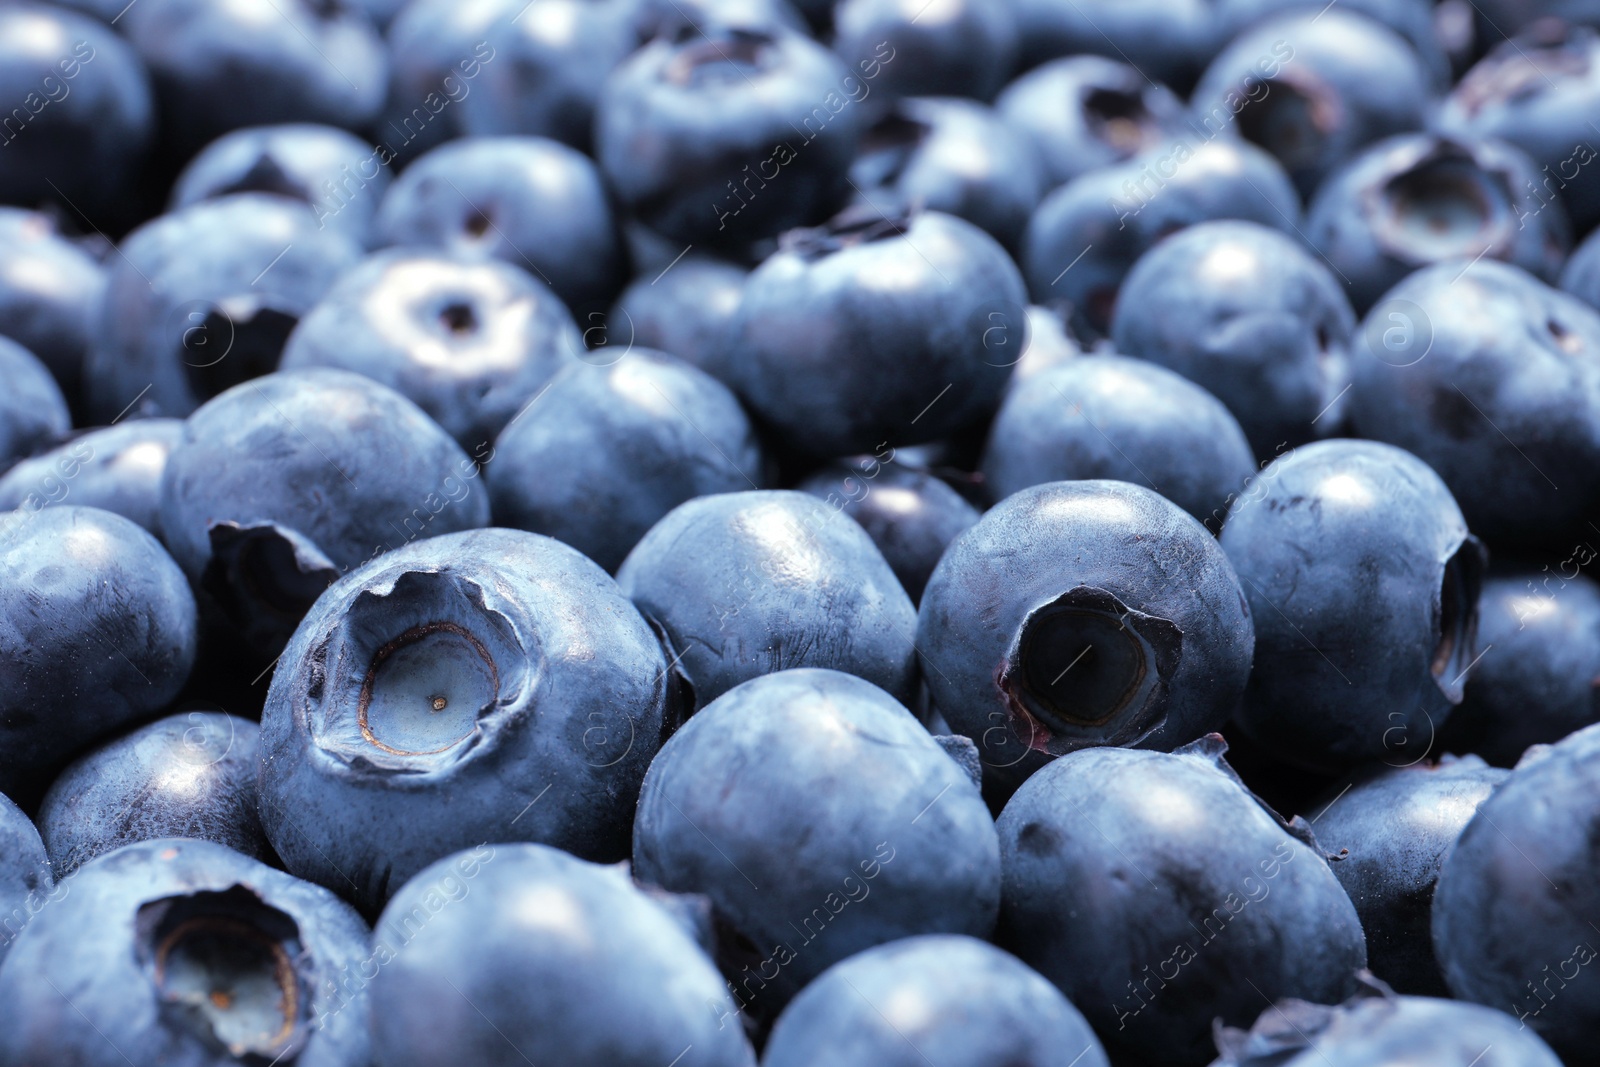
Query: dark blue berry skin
x=874, y=331
x=1087, y=234
x=195, y=302
x=1538, y=679
x=1517, y=896
x=1411, y=19
x=682, y=311
x=50, y=292
x=724, y=139
x=507, y=955
x=467, y=339
x=1378, y=1027
x=608, y=450
x=218, y=66
x=530, y=201
x=1417, y=199
x=493, y=685
x=26, y=880
x=1314, y=87
x=745, y=584
x=1251, y=315
x=1171, y=40
x=116, y=469
x=1106, y=416
x=1538, y=92
x=79, y=114
x=954, y=156
x=1492, y=378
x=939, y=998
x=33, y=413
x=284, y=483
x=438, y=49
x=1386, y=829
x=178, y=951
x=966, y=49
x=1364, y=582
x=1084, y=112
x=839, y=824
x=910, y=514
x=191, y=774
x=1054, y=573
x=1159, y=895
x=337, y=173
x=1580, y=276
x=98, y=632
x=543, y=71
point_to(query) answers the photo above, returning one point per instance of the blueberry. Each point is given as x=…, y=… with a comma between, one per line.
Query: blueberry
x=528, y=200
x=99, y=631
x=682, y=310
x=1248, y=313
x=33, y=413
x=1537, y=92
x=1106, y=416
x=1087, y=234
x=79, y=115
x=607, y=451
x=838, y=824
x=184, y=952
x=468, y=340
x=939, y=998
x=50, y=291
x=338, y=174
x=1411, y=19
x=431, y=700
x=1493, y=378
x=220, y=66
x=1416, y=199
x=725, y=138
x=1168, y=39
x=954, y=156
x=1377, y=1027
x=1085, y=111
x=1047, y=344
x=544, y=65
x=1363, y=581
x=1513, y=915
x=875, y=331
x=1387, y=829
x=961, y=48
x=1580, y=276
x=203, y=298
x=653, y=18
x=284, y=483
x=1313, y=87
x=1538, y=678
x=910, y=514
x=1158, y=895
x=744, y=584
x=117, y=469
x=187, y=775
x=517, y=954
x=1082, y=613
x=437, y=51
x=26, y=881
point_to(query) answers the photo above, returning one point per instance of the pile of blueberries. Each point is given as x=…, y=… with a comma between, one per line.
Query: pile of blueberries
x=887, y=533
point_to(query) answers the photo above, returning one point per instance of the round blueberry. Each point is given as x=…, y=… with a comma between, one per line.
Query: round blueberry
x=1059, y=622
x=33, y=413
x=26, y=882
x=50, y=292
x=681, y=310
x=468, y=340
x=183, y=951
x=1171, y=40
x=116, y=469
x=188, y=775
x=745, y=584
x=838, y=824
x=961, y=48
x=519, y=954
x=1364, y=582
x=486, y=686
